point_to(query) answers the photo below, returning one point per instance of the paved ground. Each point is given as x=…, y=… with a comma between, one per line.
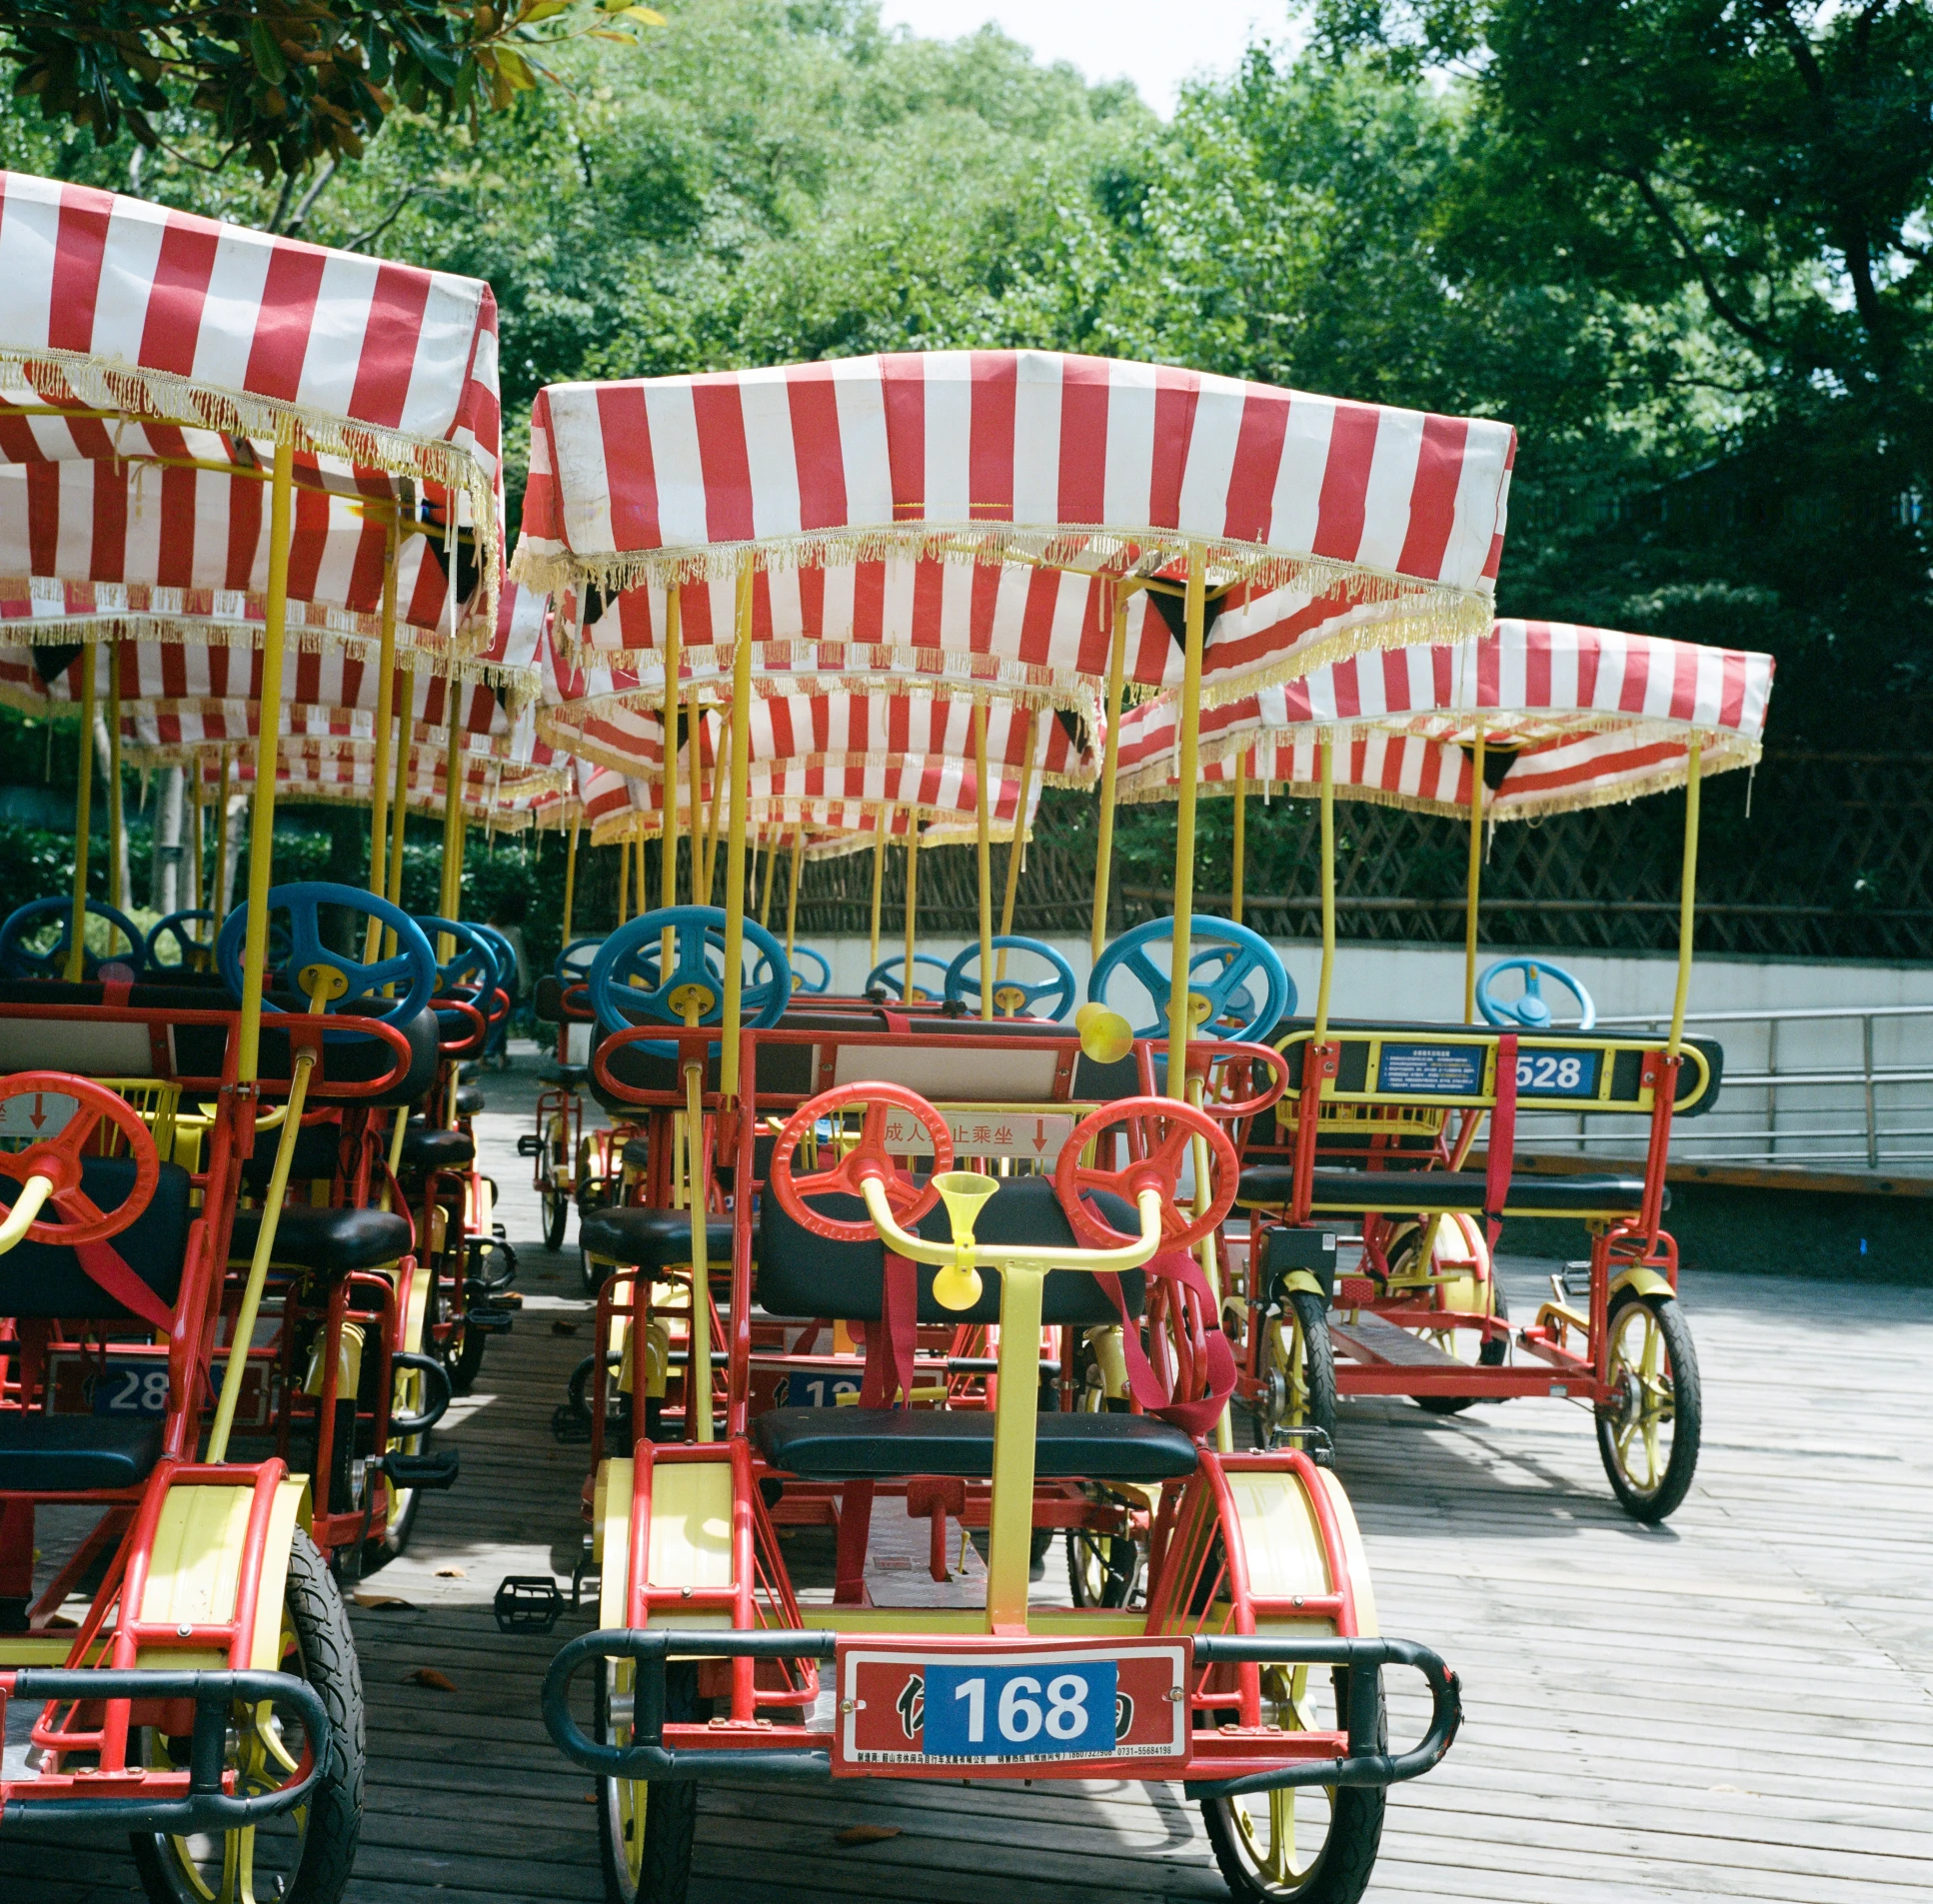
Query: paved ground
x=1738, y=1707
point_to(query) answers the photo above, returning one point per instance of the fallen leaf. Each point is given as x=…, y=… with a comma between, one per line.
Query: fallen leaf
x=429, y=1676
x=563, y=1328
x=451, y=1573
x=590, y=1798
x=381, y=1599
x=865, y=1834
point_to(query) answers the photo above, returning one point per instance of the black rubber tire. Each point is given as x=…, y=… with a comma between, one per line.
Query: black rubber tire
x=593, y=1279
x=1687, y=1414
x=465, y=1359
x=1490, y=1356
x=1312, y=1322
x=671, y=1812
x=557, y=1218
x=335, y=1804
x=1341, y=1871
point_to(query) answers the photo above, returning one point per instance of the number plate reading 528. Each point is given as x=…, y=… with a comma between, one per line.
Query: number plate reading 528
x=1051, y=1706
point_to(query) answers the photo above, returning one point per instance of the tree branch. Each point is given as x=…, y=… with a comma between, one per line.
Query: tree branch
x=315, y=191
x=1746, y=328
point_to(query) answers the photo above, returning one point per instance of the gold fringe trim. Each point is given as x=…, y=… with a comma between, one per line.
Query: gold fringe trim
x=166, y=397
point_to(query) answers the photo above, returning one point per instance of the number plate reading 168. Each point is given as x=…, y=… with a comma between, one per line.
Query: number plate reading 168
x=1043, y=1708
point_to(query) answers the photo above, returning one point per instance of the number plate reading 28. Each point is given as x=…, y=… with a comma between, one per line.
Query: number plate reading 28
x=1050, y=1707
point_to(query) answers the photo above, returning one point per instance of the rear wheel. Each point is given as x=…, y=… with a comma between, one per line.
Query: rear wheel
x=556, y=1217
x=1312, y=1844
x=1299, y=1369
x=1650, y=1438
x=304, y=1856
x=645, y=1829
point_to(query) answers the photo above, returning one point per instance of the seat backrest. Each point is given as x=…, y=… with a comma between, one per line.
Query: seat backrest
x=800, y=1274
x=41, y=1279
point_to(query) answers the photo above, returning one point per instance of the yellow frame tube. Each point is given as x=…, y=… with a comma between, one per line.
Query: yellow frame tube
x=1022, y=1273
x=194, y=841
x=879, y=879
x=1472, y=880
x=1688, y=900
x=116, y=817
x=1242, y=835
x=984, y=846
x=1325, y=754
x=698, y=1370
x=221, y=843
x=694, y=742
x=741, y=743
x=83, y=819
x=1196, y=606
x=1109, y=774
x=268, y=737
x=792, y=890
x=912, y=898
x=667, y=779
x=772, y=874
x=1019, y=847
x=721, y=769
x=571, y=874
x=400, y=801
x=450, y=895
x=385, y=714
x=623, y=879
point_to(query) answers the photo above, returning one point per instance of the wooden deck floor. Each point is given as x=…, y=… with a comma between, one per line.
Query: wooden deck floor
x=1738, y=1707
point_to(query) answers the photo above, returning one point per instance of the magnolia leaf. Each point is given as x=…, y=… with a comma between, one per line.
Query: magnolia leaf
x=649, y=15
x=535, y=10
x=513, y=68
x=268, y=56
x=622, y=39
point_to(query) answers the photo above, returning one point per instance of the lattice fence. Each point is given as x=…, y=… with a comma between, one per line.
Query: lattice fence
x=1817, y=855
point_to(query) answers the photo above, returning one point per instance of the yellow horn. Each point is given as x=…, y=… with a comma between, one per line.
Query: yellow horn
x=1105, y=1037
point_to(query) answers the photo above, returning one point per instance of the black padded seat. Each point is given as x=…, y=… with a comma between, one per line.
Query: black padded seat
x=1269, y=1186
x=428, y=1149
x=58, y=1454
x=801, y=1274
x=47, y=1278
x=470, y=1100
x=315, y=1157
x=864, y=1445
x=330, y=1242
x=568, y=1076
x=636, y=1155
x=651, y=1239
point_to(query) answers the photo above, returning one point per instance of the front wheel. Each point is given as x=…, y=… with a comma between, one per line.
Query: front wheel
x=644, y=1829
x=556, y=1217
x=1298, y=1370
x=1309, y=1844
x=304, y=1856
x=1649, y=1437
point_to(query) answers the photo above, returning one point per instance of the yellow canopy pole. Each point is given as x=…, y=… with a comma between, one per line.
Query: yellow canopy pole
x=722, y=770
x=385, y=717
x=1019, y=847
x=400, y=799
x=667, y=779
x=260, y=836
x=1687, y=901
x=116, y=819
x=772, y=868
x=878, y=880
x=913, y=898
x=792, y=890
x=83, y=818
x=694, y=744
x=985, y=846
x=571, y=874
x=1196, y=614
x=623, y=879
x=1471, y=880
x=1241, y=832
x=194, y=841
x=449, y=893
x=740, y=747
x=643, y=880
x=221, y=843
x=1326, y=754
x=1109, y=772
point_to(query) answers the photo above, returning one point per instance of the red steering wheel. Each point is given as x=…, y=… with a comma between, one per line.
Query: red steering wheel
x=1224, y=1059
x=866, y=1159
x=1158, y=1131
x=59, y=1157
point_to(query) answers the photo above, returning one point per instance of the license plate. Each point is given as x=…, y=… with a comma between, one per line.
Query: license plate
x=129, y=1386
x=1059, y=1708
x=816, y=1388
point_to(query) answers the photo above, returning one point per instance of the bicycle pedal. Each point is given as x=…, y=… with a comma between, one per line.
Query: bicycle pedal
x=436, y=1470
x=1576, y=1279
x=570, y=1423
x=490, y=1321
x=529, y=1147
x=526, y=1603
x=1314, y=1442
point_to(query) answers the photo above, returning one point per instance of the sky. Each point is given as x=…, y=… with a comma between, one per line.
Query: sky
x=1156, y=43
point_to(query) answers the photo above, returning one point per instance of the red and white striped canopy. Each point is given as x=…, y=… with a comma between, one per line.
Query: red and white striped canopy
x=1570, y=716
x=973, y=512
x=95, y=550
x=311, y=769
x=111, y=303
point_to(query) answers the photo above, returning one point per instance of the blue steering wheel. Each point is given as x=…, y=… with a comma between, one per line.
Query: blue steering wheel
x=1222, y=957
x=574, y=962
x=1532, y=1009
x=186, y=944
x=473, y=961
x=693, y=991
x=1014, y=997
x=800, y=982
x=20, y=961
x=881, y=975
x=310, y=961
x=505, y=956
